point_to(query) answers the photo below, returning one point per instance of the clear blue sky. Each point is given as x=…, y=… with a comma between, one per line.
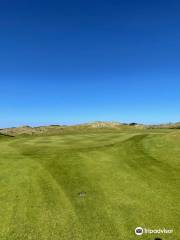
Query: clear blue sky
x=77, y=61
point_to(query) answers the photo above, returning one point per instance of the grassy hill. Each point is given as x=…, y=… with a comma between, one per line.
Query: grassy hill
x=86, y=185
x=95, y=127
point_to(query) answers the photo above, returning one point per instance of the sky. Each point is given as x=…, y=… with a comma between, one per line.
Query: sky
x=68, y=62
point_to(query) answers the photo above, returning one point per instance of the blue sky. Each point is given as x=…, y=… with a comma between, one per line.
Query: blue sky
x=78, y=61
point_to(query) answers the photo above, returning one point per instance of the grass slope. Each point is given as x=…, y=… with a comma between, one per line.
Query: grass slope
x=131, y=179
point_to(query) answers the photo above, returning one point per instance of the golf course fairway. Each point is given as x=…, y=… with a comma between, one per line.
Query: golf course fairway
x=90, y=186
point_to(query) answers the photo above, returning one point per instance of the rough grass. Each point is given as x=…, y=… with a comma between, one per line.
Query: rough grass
x=130, y=179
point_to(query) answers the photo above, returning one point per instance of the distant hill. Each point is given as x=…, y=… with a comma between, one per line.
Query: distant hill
x=166, y=126
x=86, y=127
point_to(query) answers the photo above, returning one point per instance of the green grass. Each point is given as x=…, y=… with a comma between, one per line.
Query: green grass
x=131, y=179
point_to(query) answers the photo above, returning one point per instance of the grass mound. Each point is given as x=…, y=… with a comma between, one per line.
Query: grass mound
x=90, y=185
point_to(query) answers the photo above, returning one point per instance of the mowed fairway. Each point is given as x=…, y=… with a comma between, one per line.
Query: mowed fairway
x=127, y=180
